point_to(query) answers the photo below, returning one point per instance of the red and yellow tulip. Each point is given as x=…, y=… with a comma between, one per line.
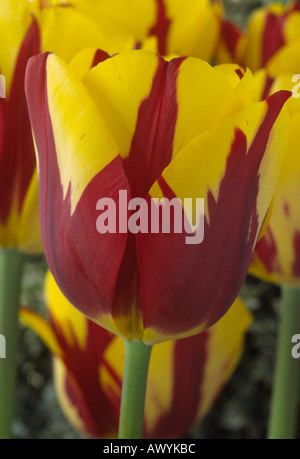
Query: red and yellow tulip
x=271, y=31
x=192, y=31
x=24, y=31
x=164, y=26
x=272, y=44
x=18, y=181
x=88, y=367
x=277, y=255
x=154, y=129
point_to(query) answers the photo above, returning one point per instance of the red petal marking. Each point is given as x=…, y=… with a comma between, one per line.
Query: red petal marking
x=99, y=56
x=266, y=251
x=273, y=36
x=83, y=262
x=93, y=405
x=188, y=376
x=151, y=151
x=184, y=286
x=295, y=7
x=286, y=209
x=268, y=84
x=239, y=73
x=230, y=34
x=152, y=144
x=296, y=263
x=161, y=27
x=17, y=157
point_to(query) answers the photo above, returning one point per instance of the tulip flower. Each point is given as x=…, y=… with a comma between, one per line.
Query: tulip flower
x=134, y=285
x=272, y=44
x=231, y=42
x=149, y=129
x=277, y=254
x=88, y=365
x=269, y=31
x=277, y=259
x=192, y=31
x=164, y=26
x=17, y=158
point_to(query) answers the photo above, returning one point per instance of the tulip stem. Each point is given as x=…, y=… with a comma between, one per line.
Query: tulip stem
x=137, y=358
x=11, y=262
x=285, y=395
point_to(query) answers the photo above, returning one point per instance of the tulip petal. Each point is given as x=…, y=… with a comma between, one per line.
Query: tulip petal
x=17, y=158
x=132, y=18
x=286, y=60
x=193, y=32
x=277, y=255
x=29, y=234
x=230, y=42
x=269, y=30
x=226, y=166
x=55, y=25
x=77, y=371
x=77, y=166
x=86, y=59
x=12, y=34
x=141, y=96
x=121, y=89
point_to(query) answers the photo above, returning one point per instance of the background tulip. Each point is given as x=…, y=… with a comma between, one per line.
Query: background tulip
x=164, y=26
x=276, y=260
x=277, y=255
x=88, y=365
x=269, y=31
x=271, y=43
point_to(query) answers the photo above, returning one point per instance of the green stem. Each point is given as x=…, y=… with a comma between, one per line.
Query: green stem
x=11, y=262
x=285, y=395
x=137, y=358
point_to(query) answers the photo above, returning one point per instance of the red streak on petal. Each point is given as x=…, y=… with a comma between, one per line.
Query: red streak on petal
x=295, y=7
x=239, y=73
x=17, y=157
x=151, y=151
x=161, y=27
x=267, y=253
x=92, y=403
x=152, y=144
x=273, y=36
x=296, y=263
x=266, y=90
x=99, y=56
x=230, y=34
x=286, y=209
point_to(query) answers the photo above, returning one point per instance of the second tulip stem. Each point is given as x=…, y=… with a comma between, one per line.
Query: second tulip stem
x=285, y=396
x=11, y=262
x=137, y=358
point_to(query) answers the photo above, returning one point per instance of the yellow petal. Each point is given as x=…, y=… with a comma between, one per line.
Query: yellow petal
x=85, y=145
